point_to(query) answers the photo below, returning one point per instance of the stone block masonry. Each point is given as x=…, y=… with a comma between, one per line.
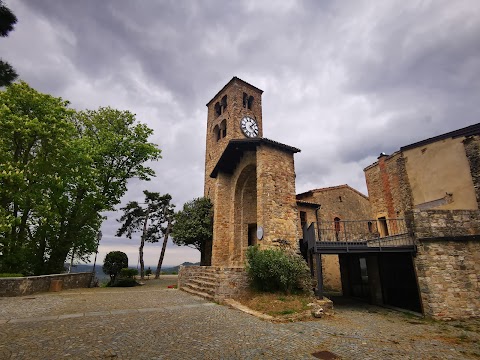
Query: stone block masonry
x=448, y=261
x=213, y=282
x=35, y=284
x=472, y=151
x=449, y=278
x=444, y=223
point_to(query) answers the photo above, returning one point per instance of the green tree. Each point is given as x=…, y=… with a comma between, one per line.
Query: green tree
x=7, y=21
x=153, y=220
x=194, y=227
x=113, y=264
x=59, y=169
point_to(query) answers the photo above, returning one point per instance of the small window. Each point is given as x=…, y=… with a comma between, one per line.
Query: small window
x=245, y=100
x=218, y=109
x=224, y=103
x=303, y=218
x=370, y=227
x=250, y=103
x=223, y=128
x=216, y=132
x=383, y=226
x=336, y=223
x=340, y=198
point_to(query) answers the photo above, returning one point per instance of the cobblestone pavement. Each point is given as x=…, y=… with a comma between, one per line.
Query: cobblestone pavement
x=153, y=322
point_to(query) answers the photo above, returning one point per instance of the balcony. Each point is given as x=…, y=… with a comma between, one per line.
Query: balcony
x=348, y=236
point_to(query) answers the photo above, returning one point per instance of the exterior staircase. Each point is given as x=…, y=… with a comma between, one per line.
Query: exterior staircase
x=202, y=283
x=212, y=283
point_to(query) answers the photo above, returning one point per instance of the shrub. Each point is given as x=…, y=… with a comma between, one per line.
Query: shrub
x=148, y=272
x=128, y=273
x=113, y=263
x=276, y=269
x=125, y=282
x=6, y=275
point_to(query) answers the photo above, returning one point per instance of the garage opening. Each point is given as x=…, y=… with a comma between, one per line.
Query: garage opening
x=382, y=279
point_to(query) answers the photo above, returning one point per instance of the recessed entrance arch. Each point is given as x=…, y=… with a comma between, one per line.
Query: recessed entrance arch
x=245, y=213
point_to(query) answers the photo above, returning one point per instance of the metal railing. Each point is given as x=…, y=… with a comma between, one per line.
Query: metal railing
x=374, y=233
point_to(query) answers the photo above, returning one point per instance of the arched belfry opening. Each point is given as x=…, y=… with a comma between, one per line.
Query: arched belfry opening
x=245, y=214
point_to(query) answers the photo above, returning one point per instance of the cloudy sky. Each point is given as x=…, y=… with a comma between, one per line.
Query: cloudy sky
x=342, y=80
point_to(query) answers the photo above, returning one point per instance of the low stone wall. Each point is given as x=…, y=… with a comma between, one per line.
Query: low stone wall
x=35, y=284
x=445, y=223
x=449, y=278
x=229, y=281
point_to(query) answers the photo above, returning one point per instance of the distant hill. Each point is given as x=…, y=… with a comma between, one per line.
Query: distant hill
x=175, y=269
x=101, y=276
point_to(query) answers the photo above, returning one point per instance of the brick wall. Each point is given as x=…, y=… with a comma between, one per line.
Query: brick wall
x=34, y=284
x=388, y=187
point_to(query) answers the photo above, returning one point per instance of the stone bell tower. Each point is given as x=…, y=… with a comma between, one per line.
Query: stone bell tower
x=249, y=179
x=237, y=100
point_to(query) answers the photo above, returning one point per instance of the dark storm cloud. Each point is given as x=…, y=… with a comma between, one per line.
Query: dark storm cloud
x=343, y=81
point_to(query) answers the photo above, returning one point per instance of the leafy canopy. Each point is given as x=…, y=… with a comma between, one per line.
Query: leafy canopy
x=113, y=264
x=7, y=22
x=59, y=169
x=152, y=220
x=194, y=224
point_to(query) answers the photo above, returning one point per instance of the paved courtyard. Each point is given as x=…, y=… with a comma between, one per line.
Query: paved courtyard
x=154, y=322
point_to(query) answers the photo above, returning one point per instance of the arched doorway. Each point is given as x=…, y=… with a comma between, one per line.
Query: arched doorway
x=245, y=214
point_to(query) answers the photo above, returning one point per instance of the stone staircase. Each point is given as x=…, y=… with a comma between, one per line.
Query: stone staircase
x=203, y=283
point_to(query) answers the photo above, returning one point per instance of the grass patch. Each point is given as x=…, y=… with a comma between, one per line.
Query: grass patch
x=277, y=305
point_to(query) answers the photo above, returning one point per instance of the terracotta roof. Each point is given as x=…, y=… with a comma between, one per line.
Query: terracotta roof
x=234, y=79
x=344, y=186
x=236, y=147
x=308, y=203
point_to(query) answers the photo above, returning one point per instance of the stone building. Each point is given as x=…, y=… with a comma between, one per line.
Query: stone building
x=251, y=183
x=413, y=243
x=326, y=208
x=249, y=179
x=434, y=184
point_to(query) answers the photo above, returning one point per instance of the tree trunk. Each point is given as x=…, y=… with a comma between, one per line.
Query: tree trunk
x=142, y=243
x=162, y=254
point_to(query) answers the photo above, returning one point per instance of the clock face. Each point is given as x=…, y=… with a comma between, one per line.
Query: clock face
x=249, y=127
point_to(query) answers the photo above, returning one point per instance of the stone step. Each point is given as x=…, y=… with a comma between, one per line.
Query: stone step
x=202, y=283
x=200, y=288
x=207, y=278
x=198, y=293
